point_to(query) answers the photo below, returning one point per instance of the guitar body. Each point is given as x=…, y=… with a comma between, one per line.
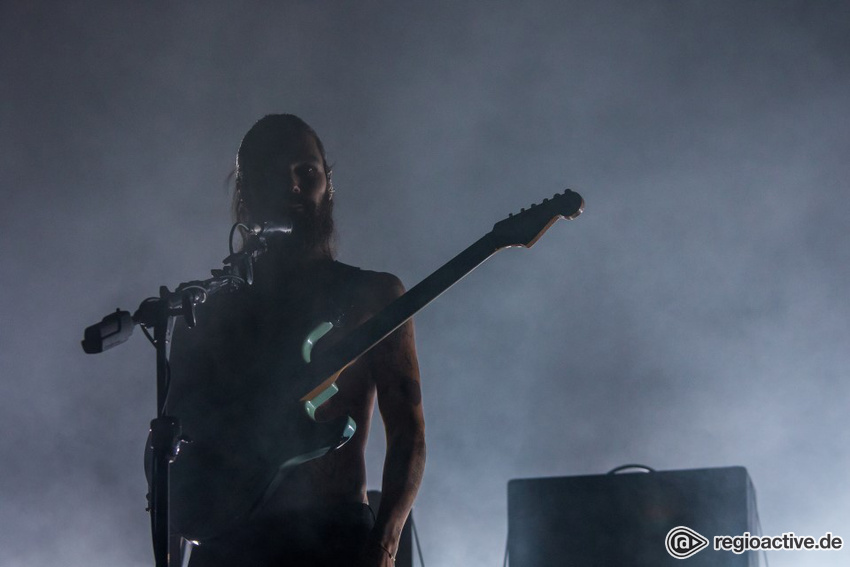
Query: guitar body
x=219, y=480
x=239, y=391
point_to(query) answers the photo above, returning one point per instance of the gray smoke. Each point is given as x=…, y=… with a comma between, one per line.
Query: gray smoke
x=696, y=315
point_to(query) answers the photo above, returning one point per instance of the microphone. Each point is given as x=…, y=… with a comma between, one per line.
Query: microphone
x=257, y=236
x=269, y=228
x=254, y=243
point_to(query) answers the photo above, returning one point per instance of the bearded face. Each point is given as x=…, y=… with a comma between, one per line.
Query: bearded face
x=282, y=176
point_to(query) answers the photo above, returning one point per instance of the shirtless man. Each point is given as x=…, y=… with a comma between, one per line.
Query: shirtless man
x=222, y=371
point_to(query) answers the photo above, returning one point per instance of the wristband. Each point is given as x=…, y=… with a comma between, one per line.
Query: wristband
x=388, y=552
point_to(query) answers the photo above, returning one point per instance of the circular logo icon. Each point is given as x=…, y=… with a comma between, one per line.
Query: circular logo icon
x=683, y=542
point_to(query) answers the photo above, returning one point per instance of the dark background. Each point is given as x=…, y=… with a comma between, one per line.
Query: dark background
x=696, y=315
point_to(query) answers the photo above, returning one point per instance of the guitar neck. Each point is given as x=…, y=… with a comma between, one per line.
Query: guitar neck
x=403, y=308
x=520, y=229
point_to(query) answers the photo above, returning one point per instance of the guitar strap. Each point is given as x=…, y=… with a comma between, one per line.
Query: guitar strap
x=342, y=293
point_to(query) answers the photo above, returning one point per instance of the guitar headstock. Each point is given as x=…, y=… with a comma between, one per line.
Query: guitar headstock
x=528, y=225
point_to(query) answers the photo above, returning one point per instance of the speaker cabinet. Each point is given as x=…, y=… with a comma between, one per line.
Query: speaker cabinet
x=623, y=519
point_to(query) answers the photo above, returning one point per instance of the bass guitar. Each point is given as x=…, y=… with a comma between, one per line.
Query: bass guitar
x=210, y=488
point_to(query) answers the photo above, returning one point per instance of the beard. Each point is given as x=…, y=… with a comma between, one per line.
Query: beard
x=312, y=231
x=313, y=227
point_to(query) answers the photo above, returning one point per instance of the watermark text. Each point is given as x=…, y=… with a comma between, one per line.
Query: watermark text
x=787, y=541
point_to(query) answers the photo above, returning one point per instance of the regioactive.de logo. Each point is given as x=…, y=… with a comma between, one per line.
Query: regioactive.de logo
x=683, y=542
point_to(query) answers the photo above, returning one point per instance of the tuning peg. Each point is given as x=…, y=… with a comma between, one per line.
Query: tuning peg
x=510, y=215
x=546, y=200
x=522, y=210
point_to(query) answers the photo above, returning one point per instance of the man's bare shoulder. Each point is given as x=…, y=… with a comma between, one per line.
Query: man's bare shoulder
x=375, y=289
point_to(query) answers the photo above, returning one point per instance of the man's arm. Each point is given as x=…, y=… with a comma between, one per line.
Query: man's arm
x=395, y=370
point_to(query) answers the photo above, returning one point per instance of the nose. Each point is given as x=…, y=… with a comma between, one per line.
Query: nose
x=294, y=180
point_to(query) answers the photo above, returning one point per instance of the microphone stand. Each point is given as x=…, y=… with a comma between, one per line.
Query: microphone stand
x=166, y=434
